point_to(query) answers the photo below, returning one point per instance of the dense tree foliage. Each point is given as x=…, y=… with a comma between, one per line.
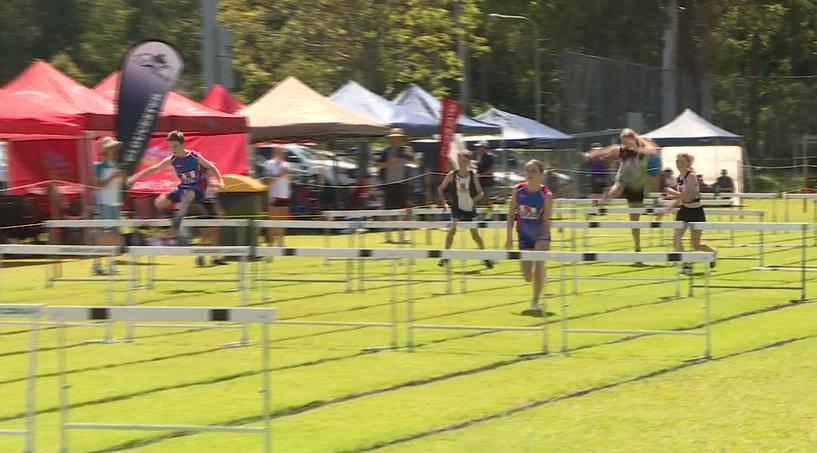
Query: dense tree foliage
x=743, y=63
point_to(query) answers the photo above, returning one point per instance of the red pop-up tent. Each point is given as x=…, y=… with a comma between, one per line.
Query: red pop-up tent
x=45, y=85
x=25, y=118
x=182, y=113
x=219, y=98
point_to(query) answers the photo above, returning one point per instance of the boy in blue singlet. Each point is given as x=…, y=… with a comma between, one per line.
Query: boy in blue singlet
x=192, y=170
x=530, y=210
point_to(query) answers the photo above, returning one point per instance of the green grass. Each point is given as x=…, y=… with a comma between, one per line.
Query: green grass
x=459, y=391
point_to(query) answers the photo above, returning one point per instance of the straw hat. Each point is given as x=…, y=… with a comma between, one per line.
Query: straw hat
x=109, y=142
x=396, y=132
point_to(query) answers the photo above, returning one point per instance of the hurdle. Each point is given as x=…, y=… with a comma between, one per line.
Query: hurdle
x=655, y=257
x=613, y=224
x=349, y=253
x=235, y=251
x=651, y=211
x=762, y=227
x=261, y=316
x=241, y=224
x=32, y=313
x=68, y=250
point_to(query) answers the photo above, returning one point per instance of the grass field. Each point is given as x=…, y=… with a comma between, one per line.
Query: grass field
x=459, y=391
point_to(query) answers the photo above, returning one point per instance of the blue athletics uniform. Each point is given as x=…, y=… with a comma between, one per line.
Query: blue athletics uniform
x=530, y=209
x=192, y=176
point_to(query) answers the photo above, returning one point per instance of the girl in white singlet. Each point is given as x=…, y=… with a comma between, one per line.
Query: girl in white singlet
x=688, y=197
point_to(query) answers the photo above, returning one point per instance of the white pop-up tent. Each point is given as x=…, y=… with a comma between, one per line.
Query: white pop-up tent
x=715, y=149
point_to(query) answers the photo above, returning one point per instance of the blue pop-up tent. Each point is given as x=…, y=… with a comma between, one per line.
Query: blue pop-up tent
x=521, y=132
x=421, y=101
x=358, y=99
x=690, y=129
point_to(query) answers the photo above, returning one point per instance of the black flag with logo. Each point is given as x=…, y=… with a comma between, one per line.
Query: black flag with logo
x=148, y=73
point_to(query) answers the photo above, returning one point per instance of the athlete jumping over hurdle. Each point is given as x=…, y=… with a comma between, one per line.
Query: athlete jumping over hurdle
x=688, y=197
x=631, y=179
x=191, y=169
x=464, y=194
x=530, y=209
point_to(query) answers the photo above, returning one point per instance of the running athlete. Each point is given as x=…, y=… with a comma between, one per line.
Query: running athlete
x=631, y=179
x=191, y=169
x=464, y=194
x=530, y=209
x=688, y=197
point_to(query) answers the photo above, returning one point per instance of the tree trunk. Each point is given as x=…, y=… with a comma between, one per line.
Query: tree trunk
x=669, y=66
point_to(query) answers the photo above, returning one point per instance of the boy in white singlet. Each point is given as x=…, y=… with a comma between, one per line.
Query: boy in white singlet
x=464, y=194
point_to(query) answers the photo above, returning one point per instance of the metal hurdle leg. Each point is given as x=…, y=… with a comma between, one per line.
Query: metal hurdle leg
x=32, y=313
x=394, y=314
x=263, y=316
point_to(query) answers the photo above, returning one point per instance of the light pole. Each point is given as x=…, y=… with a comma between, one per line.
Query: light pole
x=537, y=74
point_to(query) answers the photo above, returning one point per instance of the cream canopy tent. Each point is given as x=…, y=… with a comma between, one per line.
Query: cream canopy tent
x=292, y=110
x=714, y=149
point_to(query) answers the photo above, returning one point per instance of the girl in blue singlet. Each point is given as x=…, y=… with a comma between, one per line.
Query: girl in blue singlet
x=192, y=170
x=530, y=210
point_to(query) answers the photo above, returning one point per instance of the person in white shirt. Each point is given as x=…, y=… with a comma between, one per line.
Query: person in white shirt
x=464, y=194
x=276, y=175
x=108, y=178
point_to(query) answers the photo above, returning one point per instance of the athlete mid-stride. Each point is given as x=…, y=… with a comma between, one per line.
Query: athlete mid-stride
x=192, y=169
x=530, y=210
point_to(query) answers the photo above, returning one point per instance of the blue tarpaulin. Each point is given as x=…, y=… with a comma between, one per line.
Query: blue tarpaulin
x=358, y=99
x=689, y=129
x=420, y=101
x=518, y=131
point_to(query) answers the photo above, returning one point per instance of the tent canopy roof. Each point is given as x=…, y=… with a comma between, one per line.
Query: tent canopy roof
x=293, y=110
x=358, y=99
x=519, y=128
x=31, y=119
x=690, y=129
x=182, y=113
x=219, y=98
x=43, y=84
x=423, y=102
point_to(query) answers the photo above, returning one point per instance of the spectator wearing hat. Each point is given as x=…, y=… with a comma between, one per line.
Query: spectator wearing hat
x=485, y=168
x=392, y=164
x=108, y=185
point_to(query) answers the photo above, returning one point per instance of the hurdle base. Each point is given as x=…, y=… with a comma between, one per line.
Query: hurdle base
x=534, y=355
x=374, y=349
x=104, y=341
x=237, y=344
x=701, y=358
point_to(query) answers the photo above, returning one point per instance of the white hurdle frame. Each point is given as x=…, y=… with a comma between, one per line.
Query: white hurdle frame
x=32, y=313
x=243, y=252
x=612, y=224
x=561, y=257
x=687, y=257
x=803, y=228
x=242, y=225
x=86, y=251
x=392, y=324
x=262, y=316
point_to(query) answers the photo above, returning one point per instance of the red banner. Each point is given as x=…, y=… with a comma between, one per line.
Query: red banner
x=31, y=163
x=448, y=128
x=228, y=152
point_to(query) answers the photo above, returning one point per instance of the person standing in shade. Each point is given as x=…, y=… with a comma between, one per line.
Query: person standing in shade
x=277, y=178
x=485, y=169
x=108, y=184
x=462, y=188
x=598, y=174
x=392, y=165
x=725, y=183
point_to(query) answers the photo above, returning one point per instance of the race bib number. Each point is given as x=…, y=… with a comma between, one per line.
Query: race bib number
x=188, y=176
x=528, y=212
